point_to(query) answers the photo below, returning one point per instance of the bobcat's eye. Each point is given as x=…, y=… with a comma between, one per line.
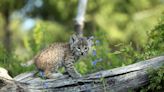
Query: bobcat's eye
x=86, y=48
x=78, y=48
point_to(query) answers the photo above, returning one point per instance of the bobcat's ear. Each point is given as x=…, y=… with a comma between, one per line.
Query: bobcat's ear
x=90, y=41
x=73, y=39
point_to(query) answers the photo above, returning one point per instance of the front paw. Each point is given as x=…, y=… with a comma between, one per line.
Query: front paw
x=77, y=76
x=55, y=76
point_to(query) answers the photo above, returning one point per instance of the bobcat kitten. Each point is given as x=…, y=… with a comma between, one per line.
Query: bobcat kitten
x=63, y=54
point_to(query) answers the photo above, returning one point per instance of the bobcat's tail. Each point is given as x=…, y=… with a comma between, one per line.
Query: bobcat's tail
x=28, y=63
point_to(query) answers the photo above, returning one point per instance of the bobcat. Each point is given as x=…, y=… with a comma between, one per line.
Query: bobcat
x=63, y=54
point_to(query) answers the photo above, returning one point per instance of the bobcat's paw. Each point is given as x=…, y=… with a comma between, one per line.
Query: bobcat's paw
x=55, y=76
x=77, y=76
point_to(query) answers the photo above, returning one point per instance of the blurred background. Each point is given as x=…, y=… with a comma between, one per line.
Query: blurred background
x=125, y=31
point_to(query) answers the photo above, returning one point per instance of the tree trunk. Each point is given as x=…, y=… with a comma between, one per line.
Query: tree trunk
x=7, y=32
x=79, y=20
x=120, y=79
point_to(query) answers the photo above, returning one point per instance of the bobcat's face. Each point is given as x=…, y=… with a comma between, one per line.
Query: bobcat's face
x=80, y=45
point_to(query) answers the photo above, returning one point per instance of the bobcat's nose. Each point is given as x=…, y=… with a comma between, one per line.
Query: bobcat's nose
x=82, y=53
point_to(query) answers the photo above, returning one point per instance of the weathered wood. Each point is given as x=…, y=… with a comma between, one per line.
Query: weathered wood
x=119, y=79
x=4, y=73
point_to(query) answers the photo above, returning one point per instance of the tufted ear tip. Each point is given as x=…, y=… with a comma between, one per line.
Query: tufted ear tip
x=73, y=39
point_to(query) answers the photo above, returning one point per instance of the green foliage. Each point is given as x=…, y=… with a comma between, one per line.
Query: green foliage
x=10, y=62
x=37, y=38
x=115, y=54
x=36, y=42
x=41, y=36
x=156, y=38
x=155, y=46
x=156, y=78
x=122, y=31
x=11, y=4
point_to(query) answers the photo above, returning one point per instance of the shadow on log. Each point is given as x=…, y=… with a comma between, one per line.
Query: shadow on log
x=120, y=79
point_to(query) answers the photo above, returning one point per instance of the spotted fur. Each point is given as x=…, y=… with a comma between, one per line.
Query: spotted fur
x=63, y=54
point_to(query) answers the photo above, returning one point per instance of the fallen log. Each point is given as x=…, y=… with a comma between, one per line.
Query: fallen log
x=120, y=79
